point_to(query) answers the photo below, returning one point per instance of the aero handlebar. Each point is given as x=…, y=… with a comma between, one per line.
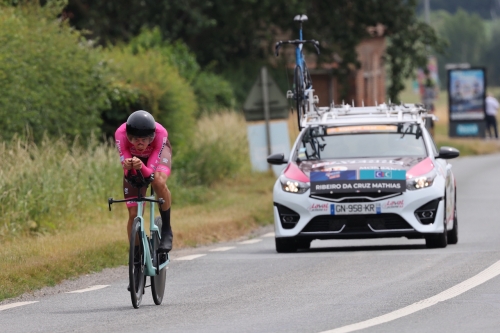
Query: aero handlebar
x=137, y=181
x=296, y=42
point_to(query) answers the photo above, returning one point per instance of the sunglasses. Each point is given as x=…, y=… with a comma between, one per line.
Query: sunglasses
x=136, y=139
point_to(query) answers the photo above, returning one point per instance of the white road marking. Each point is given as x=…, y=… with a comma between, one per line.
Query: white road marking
x=15, y=305
x=191, y=257
x=454, y=291
x=222, y=249
x=96, y=287
x=269, y=234
x=251, y=241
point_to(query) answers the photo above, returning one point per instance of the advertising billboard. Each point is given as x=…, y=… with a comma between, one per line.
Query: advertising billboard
x=466, y=101
x=466, y=89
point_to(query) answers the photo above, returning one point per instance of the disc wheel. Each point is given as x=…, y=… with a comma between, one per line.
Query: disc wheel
x=136, y=265
x=158, y=281
x=299, y=90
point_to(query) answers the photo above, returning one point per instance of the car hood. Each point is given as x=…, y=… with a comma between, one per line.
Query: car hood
x=385, y=163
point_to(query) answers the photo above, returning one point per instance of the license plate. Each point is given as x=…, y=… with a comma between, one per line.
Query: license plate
x=355, y=208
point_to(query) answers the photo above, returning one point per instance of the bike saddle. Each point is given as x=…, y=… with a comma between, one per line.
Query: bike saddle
x=300, y=18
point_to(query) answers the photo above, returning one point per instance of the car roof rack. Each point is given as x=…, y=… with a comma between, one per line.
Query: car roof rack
x=345, y=114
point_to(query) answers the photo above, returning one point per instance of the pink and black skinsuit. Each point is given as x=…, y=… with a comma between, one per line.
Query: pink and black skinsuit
x=156, y=157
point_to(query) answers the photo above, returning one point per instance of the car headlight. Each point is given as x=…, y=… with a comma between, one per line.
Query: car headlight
x=293, y=186
x=420, y=182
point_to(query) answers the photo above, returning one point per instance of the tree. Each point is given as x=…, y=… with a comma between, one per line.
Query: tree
x=223, y=33
x=51, y=79
x=490, y=56
x=341, y=25
x=466, y=37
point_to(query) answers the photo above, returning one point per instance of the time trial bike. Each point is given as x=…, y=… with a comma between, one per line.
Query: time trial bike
x=302, y=83
x=144, y=259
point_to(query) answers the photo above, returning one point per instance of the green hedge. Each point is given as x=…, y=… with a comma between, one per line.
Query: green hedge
x=161, y=90
x=51, y=79
x=212, y=91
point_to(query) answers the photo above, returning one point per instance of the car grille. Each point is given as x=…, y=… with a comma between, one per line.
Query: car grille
x=357, y=223
x=355, y=197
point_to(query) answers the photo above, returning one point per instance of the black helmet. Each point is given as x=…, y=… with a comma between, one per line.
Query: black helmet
x=141, y=124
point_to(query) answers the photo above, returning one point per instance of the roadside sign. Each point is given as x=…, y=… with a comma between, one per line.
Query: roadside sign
x=279, y=143
x=254, y=104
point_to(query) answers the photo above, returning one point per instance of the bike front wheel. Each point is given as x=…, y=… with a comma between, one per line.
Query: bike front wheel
x=136, y=265
x=158, y=281
x=299, y=91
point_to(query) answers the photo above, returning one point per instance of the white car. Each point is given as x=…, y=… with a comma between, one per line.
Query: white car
x=365, y=172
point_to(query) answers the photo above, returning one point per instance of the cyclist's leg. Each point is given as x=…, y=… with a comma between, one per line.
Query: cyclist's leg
x=159, y=185
x=130, y=192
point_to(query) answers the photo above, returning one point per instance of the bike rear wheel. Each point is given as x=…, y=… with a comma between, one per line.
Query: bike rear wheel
x=158, y=281
x=136, y=265
x=298, y=78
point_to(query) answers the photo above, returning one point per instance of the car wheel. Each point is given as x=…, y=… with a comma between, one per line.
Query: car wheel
x=285, y=245
x=453, y=234
x=438, y=240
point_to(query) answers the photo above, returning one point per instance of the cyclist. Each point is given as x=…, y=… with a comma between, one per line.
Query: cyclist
x=143, y=145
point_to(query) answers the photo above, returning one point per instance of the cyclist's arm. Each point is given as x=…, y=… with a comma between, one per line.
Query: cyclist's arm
x=160, y=158
x=122, y=145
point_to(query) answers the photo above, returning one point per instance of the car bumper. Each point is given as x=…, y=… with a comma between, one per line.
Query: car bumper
x=395, y=216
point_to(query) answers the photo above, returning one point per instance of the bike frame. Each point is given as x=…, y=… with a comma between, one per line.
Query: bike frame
x=306, y=95
x=149, y=268
x=299, y=58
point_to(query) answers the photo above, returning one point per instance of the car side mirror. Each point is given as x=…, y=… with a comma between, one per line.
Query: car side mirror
x=447, y=153
x=277, y=159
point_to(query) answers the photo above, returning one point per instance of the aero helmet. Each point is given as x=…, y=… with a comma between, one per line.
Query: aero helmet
x=141, y=124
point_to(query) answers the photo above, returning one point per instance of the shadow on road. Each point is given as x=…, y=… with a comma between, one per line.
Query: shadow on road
x=367, y=248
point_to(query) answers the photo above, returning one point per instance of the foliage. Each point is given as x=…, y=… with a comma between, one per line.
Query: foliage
x=176, y=54
x=213, y=93
x=410, y=44
x=467, y=38
x=219, y=150
x=219, y=34
x=490, y=56
x=160, y=90
x=51, y=79
x=211, y=90
x=466, y=35
x=46, y=186
x=485, y=8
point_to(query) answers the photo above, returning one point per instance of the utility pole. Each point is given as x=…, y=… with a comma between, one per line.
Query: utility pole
x=265, y=101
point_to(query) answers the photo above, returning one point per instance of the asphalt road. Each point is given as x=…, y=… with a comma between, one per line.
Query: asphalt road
x=388, y=285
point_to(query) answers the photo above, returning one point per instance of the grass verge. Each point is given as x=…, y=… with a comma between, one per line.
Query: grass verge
x=238, y=206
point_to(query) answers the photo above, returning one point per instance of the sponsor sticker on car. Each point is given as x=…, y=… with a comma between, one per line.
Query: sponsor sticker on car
x=381, y=180
x=319, y=207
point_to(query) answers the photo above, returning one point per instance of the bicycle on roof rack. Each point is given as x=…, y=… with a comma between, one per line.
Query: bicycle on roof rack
x=144, y=259
x=302, y=83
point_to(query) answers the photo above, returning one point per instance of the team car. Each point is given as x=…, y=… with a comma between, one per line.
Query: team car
x=365, y=172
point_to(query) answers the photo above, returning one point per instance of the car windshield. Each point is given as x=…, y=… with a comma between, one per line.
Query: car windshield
x=362, y=141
